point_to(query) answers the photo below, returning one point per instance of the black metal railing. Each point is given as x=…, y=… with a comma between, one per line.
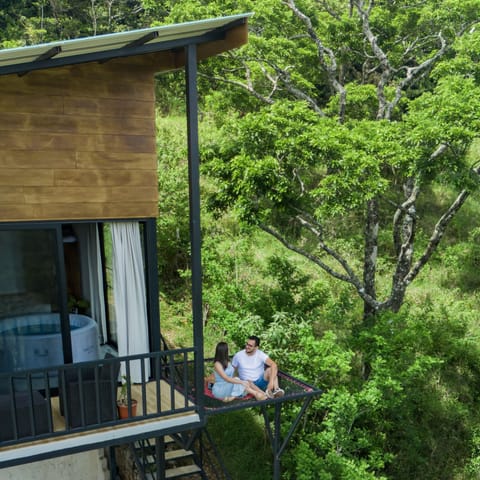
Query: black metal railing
x=59, y=400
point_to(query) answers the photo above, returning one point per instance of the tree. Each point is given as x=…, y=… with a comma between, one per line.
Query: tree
x=28, y=23
x=355, y=111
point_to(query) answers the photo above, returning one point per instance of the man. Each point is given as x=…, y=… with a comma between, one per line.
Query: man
x=256, y=366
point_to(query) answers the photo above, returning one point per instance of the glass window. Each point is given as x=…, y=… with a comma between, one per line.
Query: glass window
x=28, y=273
x=29, y=298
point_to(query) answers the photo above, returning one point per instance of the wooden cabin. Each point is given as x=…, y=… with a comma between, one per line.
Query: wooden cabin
x=78, y=268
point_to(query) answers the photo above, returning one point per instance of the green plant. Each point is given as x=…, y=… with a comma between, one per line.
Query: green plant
x=77, y=304
x=123, y=393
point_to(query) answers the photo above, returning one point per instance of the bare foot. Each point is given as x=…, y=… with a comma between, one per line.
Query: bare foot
x=261, y=396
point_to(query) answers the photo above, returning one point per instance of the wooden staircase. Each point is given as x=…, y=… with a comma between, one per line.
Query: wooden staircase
x=178, y=462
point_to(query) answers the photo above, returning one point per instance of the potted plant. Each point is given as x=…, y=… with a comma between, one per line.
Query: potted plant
x=122, y=402
x=77, y=305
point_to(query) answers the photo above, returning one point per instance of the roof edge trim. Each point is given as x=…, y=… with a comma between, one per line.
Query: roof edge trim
x=102, y=48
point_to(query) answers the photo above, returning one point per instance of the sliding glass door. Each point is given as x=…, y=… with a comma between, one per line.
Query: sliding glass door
x=55, y=277
x=31, y=298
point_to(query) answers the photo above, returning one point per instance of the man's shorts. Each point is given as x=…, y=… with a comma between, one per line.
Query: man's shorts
x=261, y=383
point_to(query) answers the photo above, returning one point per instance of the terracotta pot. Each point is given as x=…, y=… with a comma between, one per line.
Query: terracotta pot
x=123, y=409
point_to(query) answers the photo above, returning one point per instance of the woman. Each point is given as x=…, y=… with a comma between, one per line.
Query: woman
x=226, y=386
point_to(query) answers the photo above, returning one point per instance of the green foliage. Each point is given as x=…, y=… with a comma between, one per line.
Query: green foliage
x=418, y=403
x=400, y=399
x=312, y=164
x=41, y=21
x=241, y=440
x=462, y=262
x=423, y=387
x=472, y=468
x=449, y=113
x=292, y=291
x=173, y=237
x=362, y=102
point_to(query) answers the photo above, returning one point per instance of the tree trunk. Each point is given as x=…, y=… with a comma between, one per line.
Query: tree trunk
x=404, y=232
x=370, y=260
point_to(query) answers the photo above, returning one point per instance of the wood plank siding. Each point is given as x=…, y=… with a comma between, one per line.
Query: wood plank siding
x=79, y=142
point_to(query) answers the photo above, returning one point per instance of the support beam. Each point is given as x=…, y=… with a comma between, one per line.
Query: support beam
x=160, y=458
x=62, y=300
x=276, y=442
x=143, y=40
x=195, y=231
x=294, y=425
x=136, y=43
x=150, y=249
x=274, y=435
x=112, y=463
x=50, y=53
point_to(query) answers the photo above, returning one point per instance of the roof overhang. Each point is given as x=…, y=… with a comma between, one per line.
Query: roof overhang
x=102, y=48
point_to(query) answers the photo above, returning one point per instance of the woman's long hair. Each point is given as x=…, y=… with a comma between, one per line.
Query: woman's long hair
x=221, y=354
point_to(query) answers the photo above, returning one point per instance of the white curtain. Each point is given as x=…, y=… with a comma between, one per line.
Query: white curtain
x=93, y=281
x=130, y=294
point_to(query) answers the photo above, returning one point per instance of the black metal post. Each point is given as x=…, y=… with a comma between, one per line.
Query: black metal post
x=294, y=425
x=275, y=435
x=276, y=442
x=112, y=463
x=150, y=244
x=62, y=292
x=195, y=232
x=160, y=458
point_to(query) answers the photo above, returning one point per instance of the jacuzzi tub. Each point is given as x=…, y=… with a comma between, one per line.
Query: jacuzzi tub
x=35, y=341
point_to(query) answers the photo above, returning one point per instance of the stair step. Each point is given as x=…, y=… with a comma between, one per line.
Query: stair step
x=182, y=471
x=175, y=454
x=151, y=448
x=166, y=439
x=169, y=456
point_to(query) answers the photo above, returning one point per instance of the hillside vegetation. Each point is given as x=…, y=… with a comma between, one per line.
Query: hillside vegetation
x=415, y=417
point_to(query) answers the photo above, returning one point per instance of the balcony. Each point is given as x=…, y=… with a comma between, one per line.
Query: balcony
x=69, y=408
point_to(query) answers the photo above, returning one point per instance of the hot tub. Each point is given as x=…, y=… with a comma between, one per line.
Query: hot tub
x=35, y=341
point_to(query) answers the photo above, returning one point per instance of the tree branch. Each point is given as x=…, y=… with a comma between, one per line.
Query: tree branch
x=404, y=237
x=441, y=225
x=349, y=277
x=384, y=64
x=414, y=74
x=246, y=86
x=370, y=252
x=326, y=57
x=284, y=76
x=437, y=235
x=401, y=212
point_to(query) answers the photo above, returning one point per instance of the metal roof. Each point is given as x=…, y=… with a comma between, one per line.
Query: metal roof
x=115, y=45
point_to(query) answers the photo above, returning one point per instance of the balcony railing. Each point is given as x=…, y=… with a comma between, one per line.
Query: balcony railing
x=71, y=399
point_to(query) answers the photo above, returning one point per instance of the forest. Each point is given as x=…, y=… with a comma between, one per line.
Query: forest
x=340, y=161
